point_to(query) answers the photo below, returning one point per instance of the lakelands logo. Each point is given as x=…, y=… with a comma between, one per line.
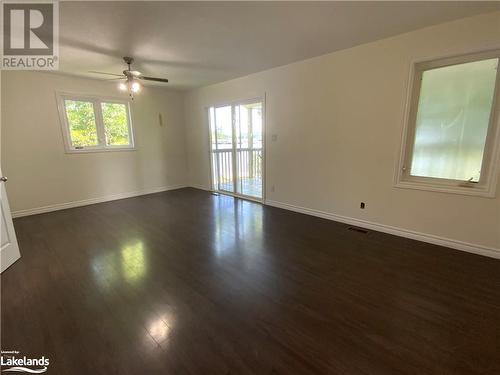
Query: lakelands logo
x=12, y=362
x=30, y=35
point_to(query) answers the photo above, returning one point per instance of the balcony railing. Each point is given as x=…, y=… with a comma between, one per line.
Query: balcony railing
x=248, y=168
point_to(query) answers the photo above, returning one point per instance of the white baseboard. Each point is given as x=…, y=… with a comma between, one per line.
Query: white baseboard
x=85, y=202
x=401, y=232
x=199, y=187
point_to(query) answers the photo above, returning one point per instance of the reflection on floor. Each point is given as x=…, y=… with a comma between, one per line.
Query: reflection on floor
x=186, y=282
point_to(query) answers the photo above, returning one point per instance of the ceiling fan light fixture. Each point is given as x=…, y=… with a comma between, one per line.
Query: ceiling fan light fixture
x=135, y=86
x=130, y=78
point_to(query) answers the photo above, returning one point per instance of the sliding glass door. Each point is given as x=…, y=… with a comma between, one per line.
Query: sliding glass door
x=237, y=148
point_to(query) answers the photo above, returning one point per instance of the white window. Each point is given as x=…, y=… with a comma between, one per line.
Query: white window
x=95, y=124
x=451, y=137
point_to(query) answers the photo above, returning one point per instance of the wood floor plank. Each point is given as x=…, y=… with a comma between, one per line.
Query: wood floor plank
x=185, y=282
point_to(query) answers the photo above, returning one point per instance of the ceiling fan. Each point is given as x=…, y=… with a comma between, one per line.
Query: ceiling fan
x=130, y=78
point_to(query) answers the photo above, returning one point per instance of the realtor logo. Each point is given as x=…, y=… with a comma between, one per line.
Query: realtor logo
x=30, y=35
x=11, y=361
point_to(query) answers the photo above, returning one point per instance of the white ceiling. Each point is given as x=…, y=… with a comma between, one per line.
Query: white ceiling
x=199, y=43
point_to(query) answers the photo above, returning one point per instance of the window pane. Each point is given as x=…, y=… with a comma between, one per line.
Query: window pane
x=257, y=126
x=224, y=127
x=224, y=132
x=114, y=116
x=81, y=122
x=452, y=120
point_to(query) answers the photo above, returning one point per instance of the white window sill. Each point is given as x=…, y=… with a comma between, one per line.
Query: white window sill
x=91, y=150
x=473, y=189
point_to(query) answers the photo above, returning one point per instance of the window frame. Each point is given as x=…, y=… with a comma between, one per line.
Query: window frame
x=486, y=186
x=96, y=101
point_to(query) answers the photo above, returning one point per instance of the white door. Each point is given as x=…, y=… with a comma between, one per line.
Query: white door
x=9, y=249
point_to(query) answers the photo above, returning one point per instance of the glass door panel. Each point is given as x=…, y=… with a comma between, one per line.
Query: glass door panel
x=248, y=137
x=222, y=147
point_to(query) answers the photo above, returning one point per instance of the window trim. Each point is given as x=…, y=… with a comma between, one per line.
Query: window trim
x=486, y=187
x=96, y=101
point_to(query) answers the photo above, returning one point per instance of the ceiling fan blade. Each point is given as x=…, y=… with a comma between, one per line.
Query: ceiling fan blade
x=109, y=74
x=115, y=79
x=153, y=79
x=135, y=73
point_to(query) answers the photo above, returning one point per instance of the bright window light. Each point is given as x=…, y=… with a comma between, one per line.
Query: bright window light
x=95, y=124
x=452, y=132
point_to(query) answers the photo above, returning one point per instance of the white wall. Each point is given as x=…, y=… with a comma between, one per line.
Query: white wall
x=42, y=174
x=338, y=119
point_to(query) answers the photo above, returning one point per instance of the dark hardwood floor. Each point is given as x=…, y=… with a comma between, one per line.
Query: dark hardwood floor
x=185, y=282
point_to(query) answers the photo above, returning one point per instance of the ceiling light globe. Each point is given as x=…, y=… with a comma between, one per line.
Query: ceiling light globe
x=135, y=87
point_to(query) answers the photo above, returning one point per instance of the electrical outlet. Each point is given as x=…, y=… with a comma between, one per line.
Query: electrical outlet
x=274, y=137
